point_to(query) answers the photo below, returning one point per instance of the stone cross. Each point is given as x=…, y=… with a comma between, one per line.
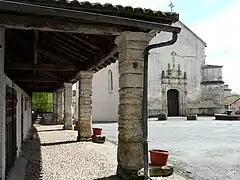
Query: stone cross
x=171, y=6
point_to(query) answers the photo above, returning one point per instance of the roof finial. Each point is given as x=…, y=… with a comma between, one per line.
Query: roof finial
x=171, y=6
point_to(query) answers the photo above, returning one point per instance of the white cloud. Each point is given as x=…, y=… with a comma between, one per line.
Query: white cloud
x=221, y=33
x=154, y=4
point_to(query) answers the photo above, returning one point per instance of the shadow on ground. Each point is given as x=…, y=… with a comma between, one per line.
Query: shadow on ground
x=51, y=130
x=113, y=177
x=58, y=143
x=31, y=148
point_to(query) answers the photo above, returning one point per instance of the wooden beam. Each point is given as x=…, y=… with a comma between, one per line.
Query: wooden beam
x=38, y=80
x=41, y=67
x=35, y=44
x=48, y=24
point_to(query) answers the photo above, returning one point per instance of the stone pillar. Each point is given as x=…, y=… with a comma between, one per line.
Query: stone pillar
x=2, y=105
x=130, y=138
x=77, y=106
x=55, y=107
x=59, y=107
x=84, y=124
x=67, y=106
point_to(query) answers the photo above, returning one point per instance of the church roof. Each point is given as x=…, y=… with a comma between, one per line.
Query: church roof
x=231, y=99
x=193, y=33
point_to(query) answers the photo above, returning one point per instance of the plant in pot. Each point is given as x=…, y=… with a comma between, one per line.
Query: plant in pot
x=158, y=157
x=162, y=117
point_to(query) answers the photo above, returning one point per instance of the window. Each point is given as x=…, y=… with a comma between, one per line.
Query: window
x=74, y=92
x=110, y=81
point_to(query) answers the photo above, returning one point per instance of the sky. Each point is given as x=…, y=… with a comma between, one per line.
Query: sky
x=217, y=22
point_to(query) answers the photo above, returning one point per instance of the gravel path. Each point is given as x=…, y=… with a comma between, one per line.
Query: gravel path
x=60, y=157
x=50, y=153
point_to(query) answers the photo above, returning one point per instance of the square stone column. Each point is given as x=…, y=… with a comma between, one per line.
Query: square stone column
x=67, y=106
x=84, y=122
x=59, y=118
x=130, y=125
x=55, y=107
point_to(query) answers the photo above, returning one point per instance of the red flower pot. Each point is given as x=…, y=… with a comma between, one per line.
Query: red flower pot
x=158, y=157
x=97, y=131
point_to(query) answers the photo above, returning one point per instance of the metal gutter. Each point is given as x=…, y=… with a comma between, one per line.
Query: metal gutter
x=26, y=8
x=145, y=97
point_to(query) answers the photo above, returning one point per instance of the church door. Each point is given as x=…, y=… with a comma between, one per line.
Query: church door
x=173, y=102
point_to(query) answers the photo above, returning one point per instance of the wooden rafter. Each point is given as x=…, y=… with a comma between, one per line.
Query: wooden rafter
x=41, y=80
x=66, y=48
x=72, y=39
x=84, y=42
x=101, y=58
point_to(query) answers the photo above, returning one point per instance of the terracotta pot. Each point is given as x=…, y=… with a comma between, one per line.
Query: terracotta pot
x=158, y=157
x=97, y=131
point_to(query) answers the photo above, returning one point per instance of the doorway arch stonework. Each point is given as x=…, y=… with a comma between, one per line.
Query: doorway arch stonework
x=182, y=95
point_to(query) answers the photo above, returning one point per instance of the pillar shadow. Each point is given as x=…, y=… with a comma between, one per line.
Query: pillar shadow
x=113, y=177
x=50, y=130
x=58, y=143
x=31, y=148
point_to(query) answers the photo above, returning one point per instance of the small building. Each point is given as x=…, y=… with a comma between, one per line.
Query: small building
x=227, y=90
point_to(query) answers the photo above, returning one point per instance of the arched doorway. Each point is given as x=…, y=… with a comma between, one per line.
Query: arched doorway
x=173, y=102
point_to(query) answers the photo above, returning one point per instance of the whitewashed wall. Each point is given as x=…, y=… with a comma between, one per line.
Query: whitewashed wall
x=105, y=103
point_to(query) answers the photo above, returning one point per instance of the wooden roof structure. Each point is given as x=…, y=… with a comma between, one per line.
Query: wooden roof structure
x=48, y=41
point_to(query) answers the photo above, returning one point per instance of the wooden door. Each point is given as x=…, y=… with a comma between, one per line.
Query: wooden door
x=11, y=141
x=173, y=102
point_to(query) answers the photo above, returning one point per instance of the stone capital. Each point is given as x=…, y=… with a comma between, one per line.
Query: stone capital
x=131, y=36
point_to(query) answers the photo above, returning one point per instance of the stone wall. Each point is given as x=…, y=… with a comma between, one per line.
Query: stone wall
x=189, y=55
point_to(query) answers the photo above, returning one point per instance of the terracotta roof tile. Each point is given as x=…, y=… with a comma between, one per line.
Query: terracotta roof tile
x=110, y=9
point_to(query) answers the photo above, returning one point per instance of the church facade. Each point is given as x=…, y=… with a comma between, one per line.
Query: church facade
x=179, y=81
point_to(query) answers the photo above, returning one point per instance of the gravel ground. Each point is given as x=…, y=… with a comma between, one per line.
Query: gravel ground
x=50, y=153
x=64, y=158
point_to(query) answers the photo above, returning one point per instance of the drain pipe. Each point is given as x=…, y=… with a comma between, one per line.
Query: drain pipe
x=145, y=96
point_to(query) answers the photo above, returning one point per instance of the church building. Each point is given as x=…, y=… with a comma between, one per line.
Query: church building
x=180, y=81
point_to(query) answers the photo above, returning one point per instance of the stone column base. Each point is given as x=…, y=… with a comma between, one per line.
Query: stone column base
x=84, y=139
x=128, y=174
x=76, y=126
x=67, y=127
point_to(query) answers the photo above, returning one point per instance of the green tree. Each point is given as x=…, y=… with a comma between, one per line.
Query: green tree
x=42, y=102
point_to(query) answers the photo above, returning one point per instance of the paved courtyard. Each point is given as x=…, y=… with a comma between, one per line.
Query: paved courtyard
x=200, y=150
